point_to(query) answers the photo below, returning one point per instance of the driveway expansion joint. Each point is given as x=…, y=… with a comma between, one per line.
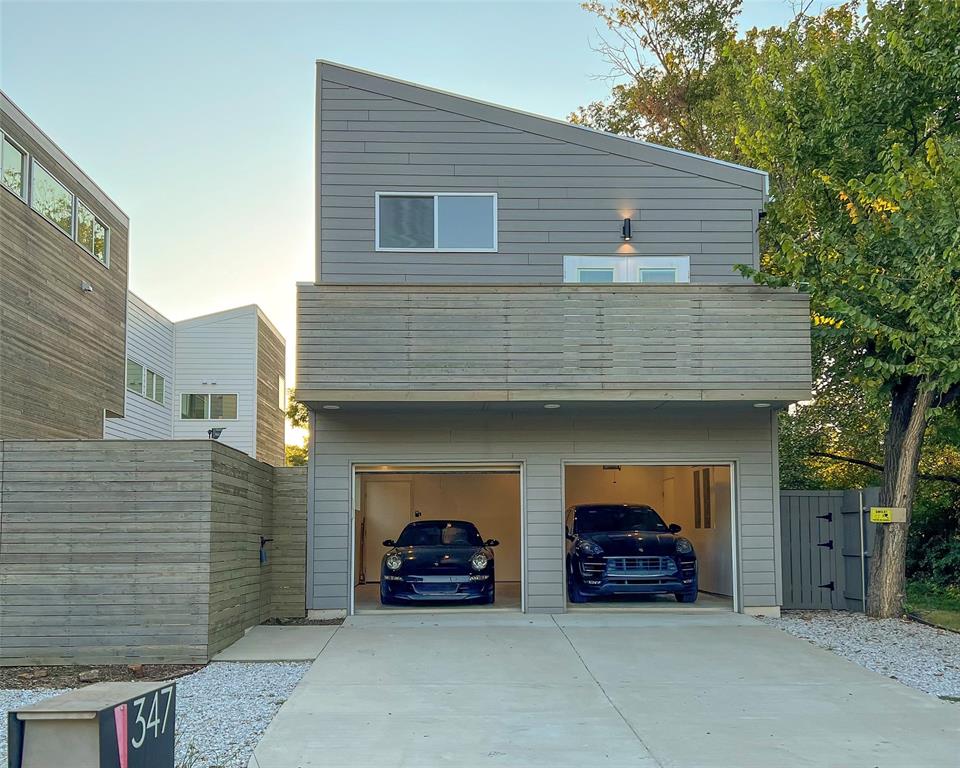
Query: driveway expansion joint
x=599, y=685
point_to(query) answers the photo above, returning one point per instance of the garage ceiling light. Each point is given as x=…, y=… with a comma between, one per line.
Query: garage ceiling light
x=551, y=406
x=331, y=407
x=761, y=405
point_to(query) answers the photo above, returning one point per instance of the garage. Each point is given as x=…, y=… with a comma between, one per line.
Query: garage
x=641, y=562
x=439, y=519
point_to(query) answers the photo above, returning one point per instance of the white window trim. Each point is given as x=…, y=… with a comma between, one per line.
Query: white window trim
x=73, y=201
x=26, y=167
x=77, y=202
x=143, y=378
x=436, y=222
x=143, y=383
x=27, y=198
x=206, y=410
x=626, y=269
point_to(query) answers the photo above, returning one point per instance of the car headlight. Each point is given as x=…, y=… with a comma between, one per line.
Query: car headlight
x=479, y=561
x=684, y=547
x=589, y=547
x=394, y=562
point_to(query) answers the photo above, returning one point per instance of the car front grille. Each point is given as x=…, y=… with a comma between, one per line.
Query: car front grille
x=640, y=566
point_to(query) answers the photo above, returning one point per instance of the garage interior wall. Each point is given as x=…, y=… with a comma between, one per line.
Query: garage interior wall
x=670, y=490
x=489, y=500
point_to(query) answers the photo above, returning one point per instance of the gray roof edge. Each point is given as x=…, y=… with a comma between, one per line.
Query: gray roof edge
x=591, y=137
x=80, y=177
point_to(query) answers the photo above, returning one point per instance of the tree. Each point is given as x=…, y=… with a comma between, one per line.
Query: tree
x=669, y=53
x=296, y=455
x=856, y=117
x=297, y=413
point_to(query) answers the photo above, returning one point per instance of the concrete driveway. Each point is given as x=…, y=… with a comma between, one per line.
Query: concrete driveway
x=584, y=689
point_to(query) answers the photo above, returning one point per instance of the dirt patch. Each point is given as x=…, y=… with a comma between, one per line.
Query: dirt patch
x=303, y=622
x=77, y=676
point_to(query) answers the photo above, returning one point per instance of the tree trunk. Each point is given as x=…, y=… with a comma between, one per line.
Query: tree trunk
x=901, y=456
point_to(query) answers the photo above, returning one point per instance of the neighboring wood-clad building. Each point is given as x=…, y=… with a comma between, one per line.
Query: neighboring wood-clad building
x=501, y=293
x=221, y=371
x=63, y=292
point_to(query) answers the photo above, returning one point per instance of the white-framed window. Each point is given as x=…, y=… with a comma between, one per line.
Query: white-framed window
x=29, y=180
x=436, y=221
x=51, y=199
x=92, y=234
x=207, y=406
x=282, y=386
x=14, y=165
x=144, y=382
x=626, y=269
x=135, y=376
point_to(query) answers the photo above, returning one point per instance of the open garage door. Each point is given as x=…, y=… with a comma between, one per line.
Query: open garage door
x=440, y=519
x=629, y=566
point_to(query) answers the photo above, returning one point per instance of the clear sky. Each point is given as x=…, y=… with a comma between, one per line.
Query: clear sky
x=197, y=118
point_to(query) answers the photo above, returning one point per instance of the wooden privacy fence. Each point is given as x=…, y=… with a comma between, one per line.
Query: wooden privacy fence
x=826, y=539
x=117, y=551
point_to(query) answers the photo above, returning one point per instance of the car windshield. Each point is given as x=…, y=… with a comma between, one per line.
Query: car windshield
x=440, y=533
x=617, y=517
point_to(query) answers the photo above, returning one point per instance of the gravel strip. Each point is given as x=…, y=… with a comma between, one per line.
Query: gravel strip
x=925, y=658
x=222, y=710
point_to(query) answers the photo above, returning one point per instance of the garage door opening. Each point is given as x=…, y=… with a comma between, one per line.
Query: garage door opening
x=642, y=563
x=450, y=516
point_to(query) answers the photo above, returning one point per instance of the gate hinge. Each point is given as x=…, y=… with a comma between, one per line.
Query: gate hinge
x=829, y=586
x=828, y=517
x=827, y=544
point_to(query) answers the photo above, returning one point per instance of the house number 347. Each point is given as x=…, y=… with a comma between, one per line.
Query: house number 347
x=151, y=724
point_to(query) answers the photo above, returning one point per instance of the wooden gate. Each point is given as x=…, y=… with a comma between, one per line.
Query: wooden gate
x=825, y=546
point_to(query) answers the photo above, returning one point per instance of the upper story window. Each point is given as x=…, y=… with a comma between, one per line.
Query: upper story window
x=51, y=198
x=144, y=382
x=91, y=233
x=626, y=269
x=442, y=221
x=208, y=406
x=14, y=162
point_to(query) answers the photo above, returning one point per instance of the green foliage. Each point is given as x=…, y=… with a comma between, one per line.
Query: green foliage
x=856, y=116
x=297, y=413
x=296, y=455
x=669, y=52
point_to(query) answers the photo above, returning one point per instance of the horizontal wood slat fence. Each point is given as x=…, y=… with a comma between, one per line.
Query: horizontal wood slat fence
x=143, y=551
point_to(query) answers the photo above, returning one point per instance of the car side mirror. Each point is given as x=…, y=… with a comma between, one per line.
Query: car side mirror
x=491, y=543
x=389, y=543
x=674, y=528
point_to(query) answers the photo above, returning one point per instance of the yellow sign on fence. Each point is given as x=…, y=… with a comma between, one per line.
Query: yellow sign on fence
x=888, y=514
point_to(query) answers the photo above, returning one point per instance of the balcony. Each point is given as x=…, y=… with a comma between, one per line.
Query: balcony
x=421, y=343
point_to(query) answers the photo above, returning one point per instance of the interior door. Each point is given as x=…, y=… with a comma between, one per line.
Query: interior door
x=387, y=507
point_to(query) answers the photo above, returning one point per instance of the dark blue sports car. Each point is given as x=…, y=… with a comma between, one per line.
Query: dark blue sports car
x=626, y=549
x=436, y=561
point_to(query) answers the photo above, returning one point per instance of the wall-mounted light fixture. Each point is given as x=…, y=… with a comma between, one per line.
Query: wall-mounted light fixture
x=214, y=434
x=626, y=232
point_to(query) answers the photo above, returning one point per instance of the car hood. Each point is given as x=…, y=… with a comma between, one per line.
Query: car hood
x=626, y=543
x=439, y=557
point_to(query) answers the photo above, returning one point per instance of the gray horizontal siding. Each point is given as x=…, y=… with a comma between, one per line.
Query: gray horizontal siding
x=688, y=342
x=150, y=343
x=681, y=433
x=558, y=195
x=141, y=550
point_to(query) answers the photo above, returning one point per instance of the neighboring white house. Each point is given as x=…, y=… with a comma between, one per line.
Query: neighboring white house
x=220, y=371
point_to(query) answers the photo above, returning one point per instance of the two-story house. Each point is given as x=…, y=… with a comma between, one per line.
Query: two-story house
x=223, y=371
x=513, y=314
x=63, y=290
